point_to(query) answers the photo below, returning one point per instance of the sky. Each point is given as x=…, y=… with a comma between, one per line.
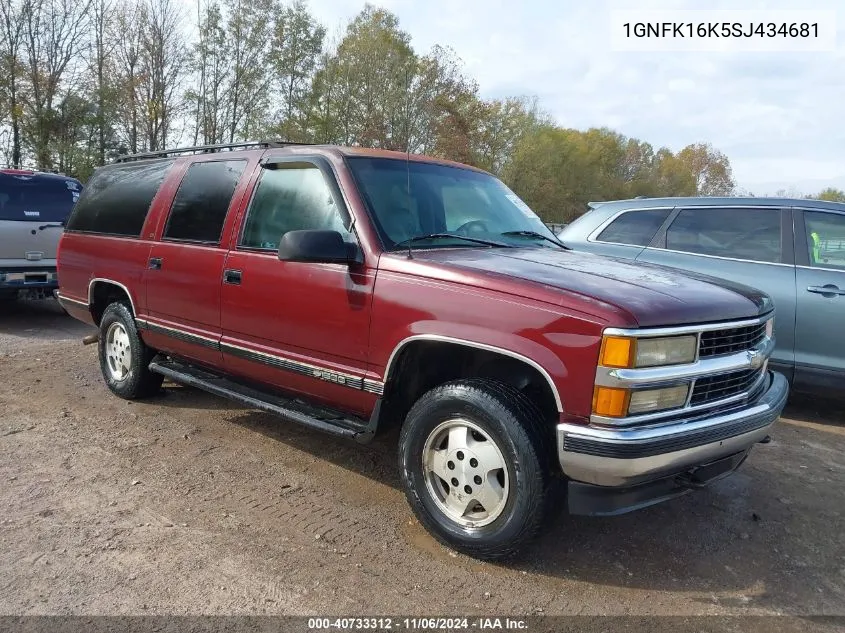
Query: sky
x=777, y=115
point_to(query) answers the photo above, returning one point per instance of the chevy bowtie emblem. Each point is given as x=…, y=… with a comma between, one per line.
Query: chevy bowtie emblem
x=755, y=358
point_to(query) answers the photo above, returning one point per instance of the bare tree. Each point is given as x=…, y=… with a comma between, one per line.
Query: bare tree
x=11, y=42
x=127, y=20
x=102, y=47
x=249, y=29
x=210, y=63
x=162, y=62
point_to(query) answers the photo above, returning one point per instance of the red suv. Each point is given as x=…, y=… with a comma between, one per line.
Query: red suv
x=351, y=290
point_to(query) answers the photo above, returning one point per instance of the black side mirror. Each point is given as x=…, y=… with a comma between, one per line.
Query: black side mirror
x=320, y=246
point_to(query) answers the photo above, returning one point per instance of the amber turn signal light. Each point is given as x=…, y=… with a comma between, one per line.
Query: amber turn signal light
x=610, y=402
x=617, y=351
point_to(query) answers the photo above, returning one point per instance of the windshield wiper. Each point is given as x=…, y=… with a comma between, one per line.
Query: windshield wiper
x=537, y=235
x=50, y=226
x=435, y=236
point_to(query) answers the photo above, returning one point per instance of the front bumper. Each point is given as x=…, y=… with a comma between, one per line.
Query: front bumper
x=623, y=458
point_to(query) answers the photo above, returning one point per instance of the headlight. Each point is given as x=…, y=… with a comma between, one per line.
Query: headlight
x=617, y=403
x=625, y=352
x=658, y=399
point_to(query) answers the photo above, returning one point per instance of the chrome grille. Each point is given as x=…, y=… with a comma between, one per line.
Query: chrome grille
x=730, y=340
x=714, y=388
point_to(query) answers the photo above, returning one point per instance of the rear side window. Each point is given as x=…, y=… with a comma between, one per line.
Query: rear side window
x=634, y=227
x=826, y=239
x=737, y=233
x=37, y=198
x=117, y=198
x=200, y=206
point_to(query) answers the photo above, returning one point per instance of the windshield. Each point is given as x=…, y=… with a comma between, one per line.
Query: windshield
x=36, y=198
x=409, y=199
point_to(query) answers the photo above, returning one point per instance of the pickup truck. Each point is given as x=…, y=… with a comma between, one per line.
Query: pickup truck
x=354, y=290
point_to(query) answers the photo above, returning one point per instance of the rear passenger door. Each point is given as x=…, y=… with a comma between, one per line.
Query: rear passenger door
x=743, y=244
x=185, y=265
x=819, y=339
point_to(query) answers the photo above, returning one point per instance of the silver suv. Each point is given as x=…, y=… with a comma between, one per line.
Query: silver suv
x=793, y=250
x=33, y=209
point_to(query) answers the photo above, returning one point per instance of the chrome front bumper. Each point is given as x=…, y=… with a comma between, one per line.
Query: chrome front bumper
x=627, y=457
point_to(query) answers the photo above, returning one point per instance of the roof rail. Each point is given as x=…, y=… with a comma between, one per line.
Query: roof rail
x=205, y=149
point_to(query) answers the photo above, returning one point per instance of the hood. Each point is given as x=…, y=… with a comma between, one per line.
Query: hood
x=652, y=295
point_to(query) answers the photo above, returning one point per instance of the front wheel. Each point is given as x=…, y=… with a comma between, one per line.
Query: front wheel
x=124, y=359
x=473, y=459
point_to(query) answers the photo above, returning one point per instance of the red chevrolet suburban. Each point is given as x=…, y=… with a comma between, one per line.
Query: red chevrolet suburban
x=351, y=290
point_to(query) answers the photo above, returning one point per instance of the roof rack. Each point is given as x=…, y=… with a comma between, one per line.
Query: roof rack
x=205, y=149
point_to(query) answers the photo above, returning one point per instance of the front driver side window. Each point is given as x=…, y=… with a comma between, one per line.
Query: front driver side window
x=290, y=197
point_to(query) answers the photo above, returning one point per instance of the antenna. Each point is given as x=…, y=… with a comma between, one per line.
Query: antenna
x=408, y=171
x=408, y=154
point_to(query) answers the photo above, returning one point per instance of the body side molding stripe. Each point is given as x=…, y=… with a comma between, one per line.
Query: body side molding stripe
x=306, y=369
x=182, y=335
x=64, y=298
x=273, y=360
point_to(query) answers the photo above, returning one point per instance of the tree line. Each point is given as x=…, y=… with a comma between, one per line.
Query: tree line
x=84, y=81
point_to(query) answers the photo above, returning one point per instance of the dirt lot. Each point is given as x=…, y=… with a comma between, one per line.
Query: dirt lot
x=188, y=504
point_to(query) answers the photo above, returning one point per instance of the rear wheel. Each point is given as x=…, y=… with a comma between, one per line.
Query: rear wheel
x=473, y=462
x=124, y=359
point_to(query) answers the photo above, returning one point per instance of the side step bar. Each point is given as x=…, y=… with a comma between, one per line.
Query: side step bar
x=293, y=410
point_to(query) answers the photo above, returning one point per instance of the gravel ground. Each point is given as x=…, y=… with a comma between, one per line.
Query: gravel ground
x=189, y=504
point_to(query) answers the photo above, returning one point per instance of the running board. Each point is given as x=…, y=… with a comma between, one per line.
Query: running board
x=293, y=410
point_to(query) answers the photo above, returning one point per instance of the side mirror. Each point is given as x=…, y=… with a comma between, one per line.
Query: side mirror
x=325, y=247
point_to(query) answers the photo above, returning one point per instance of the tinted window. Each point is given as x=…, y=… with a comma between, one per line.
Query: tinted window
x=117, y=198
x=291, y=197
x=825, y=239
x=37, y=198
x=634, y=227
x=739, y=233
x=200, y=206
x=413, y=198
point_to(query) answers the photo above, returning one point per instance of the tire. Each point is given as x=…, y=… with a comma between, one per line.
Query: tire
x=124, y=359
x=506, y=510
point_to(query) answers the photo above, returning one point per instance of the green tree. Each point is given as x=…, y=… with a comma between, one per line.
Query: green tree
x=53, y=33
x=295, y=51
x=831, y=194
x=710, y=168
x=672, y=176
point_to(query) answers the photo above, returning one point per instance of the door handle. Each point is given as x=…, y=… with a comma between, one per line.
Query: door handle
x=155, y=263
x=232, y=277
x=828, y=290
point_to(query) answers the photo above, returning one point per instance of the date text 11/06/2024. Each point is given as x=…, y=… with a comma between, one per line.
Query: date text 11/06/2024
x=417, y=624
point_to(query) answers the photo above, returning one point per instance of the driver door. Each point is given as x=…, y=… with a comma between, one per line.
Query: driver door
x=741, y=244
x=299, y=326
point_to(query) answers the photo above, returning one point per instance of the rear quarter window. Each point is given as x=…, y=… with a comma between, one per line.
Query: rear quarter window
x=118, y=197
x=37, y=197
x=636, y=228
